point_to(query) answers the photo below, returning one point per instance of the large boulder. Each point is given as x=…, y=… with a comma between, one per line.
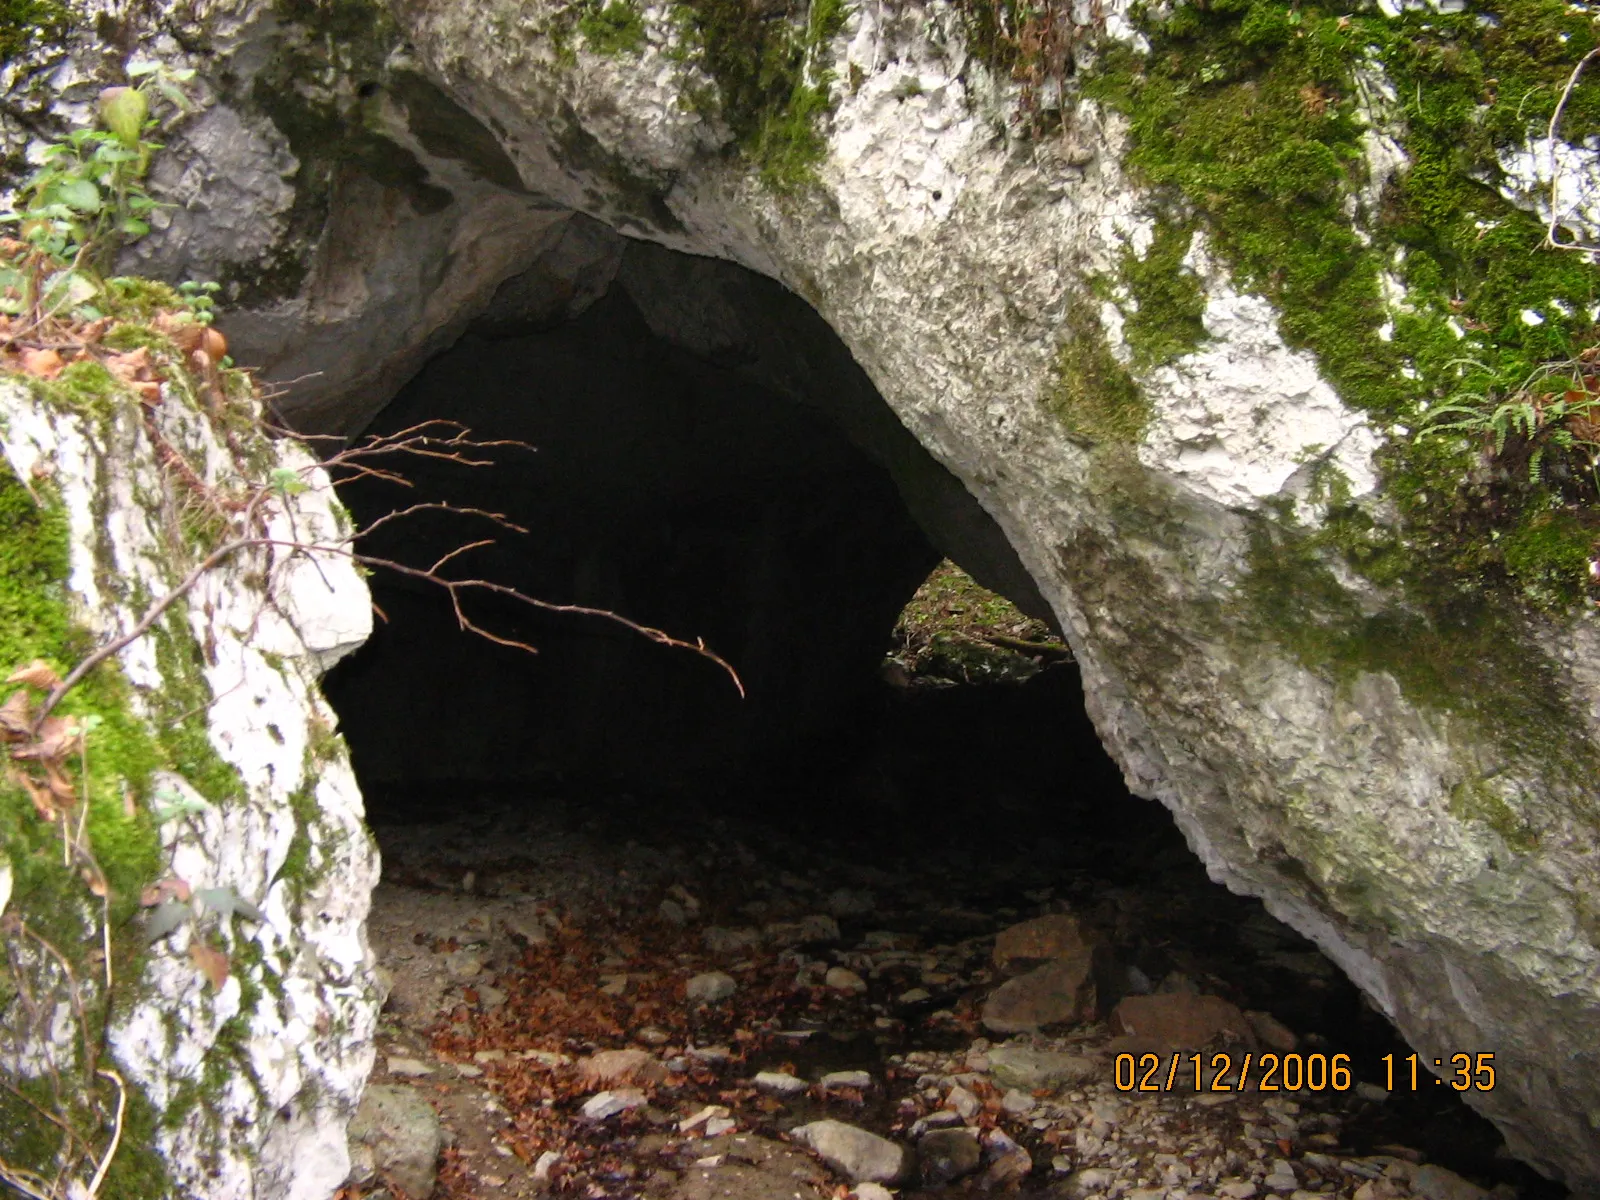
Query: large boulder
x=1168, y=302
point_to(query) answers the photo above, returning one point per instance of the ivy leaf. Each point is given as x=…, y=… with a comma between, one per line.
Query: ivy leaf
x=134, y=227
x=165, y=918
x=227, y=903
x=287, y=482
x=174, y=805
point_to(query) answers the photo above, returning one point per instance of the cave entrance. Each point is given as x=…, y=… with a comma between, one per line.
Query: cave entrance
x=604, y=846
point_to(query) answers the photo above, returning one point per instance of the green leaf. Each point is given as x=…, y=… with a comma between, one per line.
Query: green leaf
x=164, y=918
x=78, y=193
x=287, y=482
x=175, y=805
x=140, y=70
x=134, y=227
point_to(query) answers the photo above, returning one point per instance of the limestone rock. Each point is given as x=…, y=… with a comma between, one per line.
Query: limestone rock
x=1180, y=1020
x=608, y=1068
x=397, y=1131
x=712, y=987
x=946, y=1154
x=1032, y=943
x=860, y=1156
x=1058, y=992
x=779, y=1083
x=1019, y=1065
x=1440, y=1183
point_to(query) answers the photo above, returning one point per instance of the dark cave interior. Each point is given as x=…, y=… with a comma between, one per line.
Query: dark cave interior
x=677, y=479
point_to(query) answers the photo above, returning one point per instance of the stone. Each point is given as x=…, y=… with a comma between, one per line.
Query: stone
x=779, y=1083
x=719, y=939
x=401, y=1137
x=1089, y=1181
x=1041, y=940
x=1059, y=992
x=673, y=913
x=602, y=1106
x=1018, y=1103
x=946, y=1154
x=859, y=1156
x=1236, y=1189
x=963, y=1102
x=849, y=902
x=711, y=987
x=842, y=979
x=1019, y=1065
x=859, y=1080
x=1440, y=1183
x=608, y=1068
x=1180, y=1020
x=408, y=1068
x=872, y=1191
x=1271, y=1032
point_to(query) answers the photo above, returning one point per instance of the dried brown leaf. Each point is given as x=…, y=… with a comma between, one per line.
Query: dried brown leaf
x=44, y=364
x=166, y=889
x=16, y=716
x=38, y=673
x=210, y=962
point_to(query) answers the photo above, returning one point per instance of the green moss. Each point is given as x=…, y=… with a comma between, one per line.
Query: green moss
x=83, y=387
x=1479, y=800
x=770, y=91
x=1092, y=394
x=24, y=24
x=613, y=28
x=1548, y=554
x=114, y=775
x=1452, y=649
x=1169, y=299
x=1245, y=114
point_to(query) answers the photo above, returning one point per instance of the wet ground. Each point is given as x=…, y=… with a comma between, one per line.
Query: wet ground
x=816, y=923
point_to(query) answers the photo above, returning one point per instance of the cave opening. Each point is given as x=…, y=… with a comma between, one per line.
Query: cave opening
x=610, y=821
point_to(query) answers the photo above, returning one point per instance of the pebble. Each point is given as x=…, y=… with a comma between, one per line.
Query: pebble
x=700, y=1118
x=842, y=979
x=604, y=1105
x=779, y=1083
x=872, y=1191
x=1018, y=1103
x=860, y=1156
x=946, y=1154
x=963, y=1102
x=673, y=913
x=711, y=987
x=915, y=996
x=846, y=1079
x=408, y=1068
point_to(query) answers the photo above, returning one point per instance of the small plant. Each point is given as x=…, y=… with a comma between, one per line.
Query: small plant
x=84, y=202
x=1556, y=409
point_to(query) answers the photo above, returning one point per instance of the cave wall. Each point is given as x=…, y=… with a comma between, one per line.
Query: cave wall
x=1411, y=788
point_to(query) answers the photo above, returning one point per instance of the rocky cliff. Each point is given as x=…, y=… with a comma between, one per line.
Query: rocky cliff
x=1175, y=291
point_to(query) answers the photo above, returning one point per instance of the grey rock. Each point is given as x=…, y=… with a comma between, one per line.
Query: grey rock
x=1019, y=1065
x=719, y=939
x=1439, y=1183
x=602, y=1106
x=946, y=1154
x=673, y=913
x=779, y=1083
x=846, y=1079
x=1058, y=992
x=398, y=1133
x=848, y=902
x=712, y=987
x=842, y=979
x=859, y=1156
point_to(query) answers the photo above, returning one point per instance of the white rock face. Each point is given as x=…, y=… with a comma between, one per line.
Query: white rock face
x=275, y=1128
x=948, y=255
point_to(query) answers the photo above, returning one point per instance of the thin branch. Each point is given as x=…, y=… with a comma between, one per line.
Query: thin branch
x=1555, y=162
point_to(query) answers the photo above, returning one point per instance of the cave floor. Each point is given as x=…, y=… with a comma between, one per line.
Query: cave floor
x=522, y=939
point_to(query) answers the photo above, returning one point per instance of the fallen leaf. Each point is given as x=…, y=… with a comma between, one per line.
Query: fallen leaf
x=166, y=889
x=130, y=366
x=44, y=364
x=210, y=962
x=16, y=715
x=213, y=345
x=38, y=673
